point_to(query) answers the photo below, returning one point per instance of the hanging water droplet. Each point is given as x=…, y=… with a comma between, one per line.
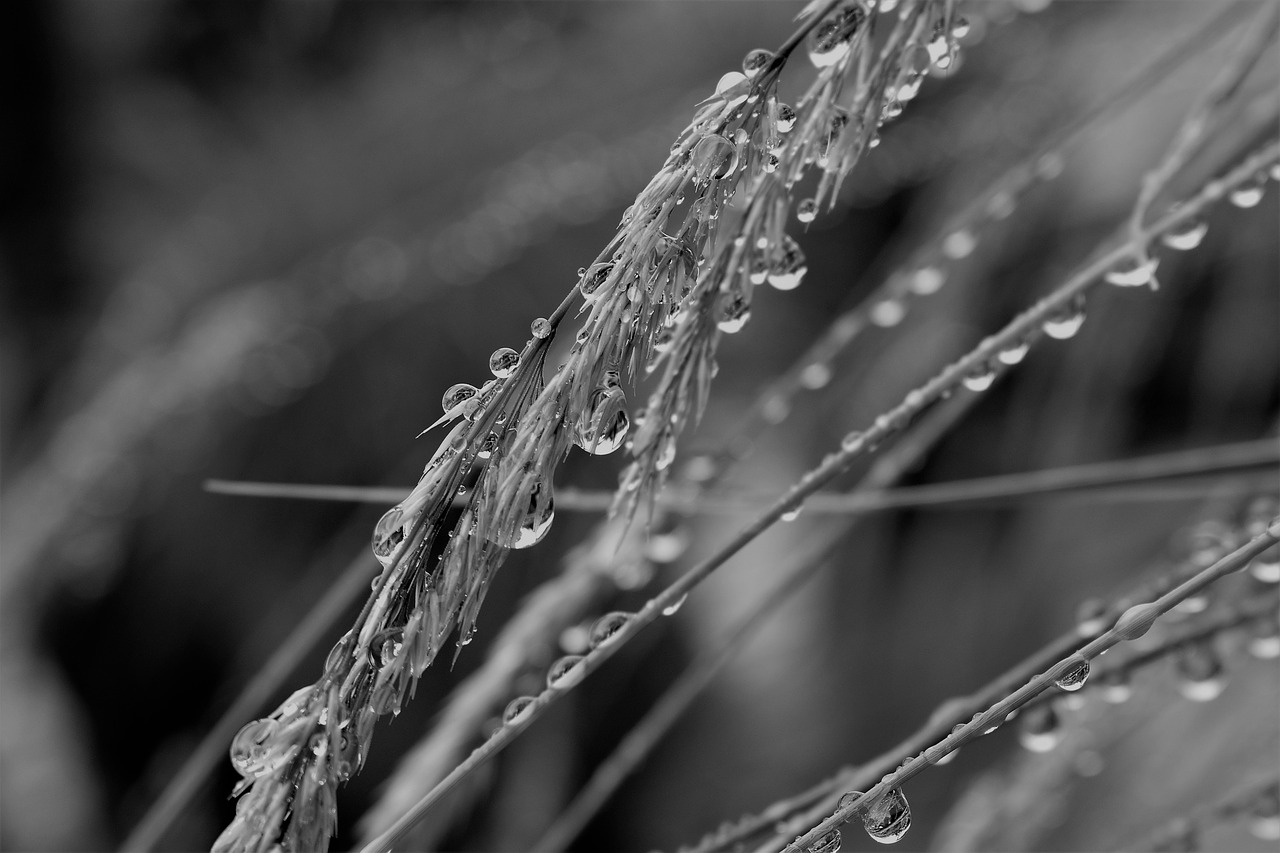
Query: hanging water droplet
x=1014, y=354
x=540, y=328
x=1264, y=815
x=1250, y=193
x=1264, y=642
x=1040, y=729
x=1265, y=567
x=674, y=607
x=457, y=395
x=388, y=533
x=888, y=818
x=791, y=514
x=537, y=521
x=770, y=163
x=1091, y=617
x=607, y=626
x=828, y=842
x=1115, y=686
x=486, y=448
x=593, y=278
x=787, y=267
x=713, y=158
x=565, y=673
x=815, y=376
x=892, y=109
x=959, y=244
x=248, y=747
x=733, y=88
x=807, y=210
x=733, y=312
x=1132, y=272
x=517, y=710
x=829, y=42
x=926, y=280
x=756, y=61
x=1075, y=677
x=1186, y=235
x=960, y=27
x=982, y=377
x=503, y=362
x=1064, y=324
x=1200, y=675
x=852, y=442
x=603, y=428
x=786, y=118
x=888, y=313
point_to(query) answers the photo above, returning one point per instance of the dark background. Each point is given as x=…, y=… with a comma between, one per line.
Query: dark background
x=258, y=239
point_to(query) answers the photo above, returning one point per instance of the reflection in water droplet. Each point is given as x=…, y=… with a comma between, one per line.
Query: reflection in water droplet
x=1250, y=193
x=457, y=395
x=565, y=672
x=503, y=362
x=607, y=626
x=537, y=521
x=829, y=41
x=889, y=818
x=540, y=328
x=828, y=842
x=603, y=428
x=388, y=533
x=1014, y=354
x=807, y=210
x=517, y=710
x=248, y=748
x=713, y=157
x=982, y=378
x=733, y=312
x=1075, y=677
x=756, y=61
x=732, y=88
x=786, y=118
x=788, y=267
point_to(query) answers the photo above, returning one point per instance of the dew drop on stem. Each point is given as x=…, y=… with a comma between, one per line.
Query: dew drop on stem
x=388, y=533
x=1265, y=567
x=1066, y=322
x=537, y=520
x=540, y=328
x=456, y=395
x=980, y=378
x=1250, y=193
x=674, y=607
x=1014, y=354
x=713, y=158
x=787, y=267
x=756, y=61
x=1132, y=272
x=807, y=210
x=565, y=672
x=786, y=121
x=1075, y=677
x=517, y=710
x=1264, y=815
x=1040, y=729
x=829, y=842
x=607, y=626
x=248, y=747
x=829, y=41
x=603, y=428
x=732, y=313
x=888, y=818
x=1187, y=235
x=503, y=362
x=1264, y=637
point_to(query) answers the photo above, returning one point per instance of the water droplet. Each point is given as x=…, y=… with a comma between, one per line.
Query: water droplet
x=503, y=362
x=1264, y=816
x=732, y=313
x=248, y=748
x=1014, y=354
x=787, y=267
x=1075, y=677
x=926, y=280
x=517, y=710
x=1064, y=323
x=888, y=818
x=829, y=41
x=1266, y=566
x=1200, y=676
x=1264, y=642
x=1091, y=618
x=603, y=428
x=770, y=163
x=674, y=607
x=565, y=672
x=959, y=244
x=1040, y=730
x=537, y=521
x=593, y=278
x=941, y=52
x=828, y=842
x=888, y=313
x=807, y=211
x=852, y=442
x=756, y=61
x=960, y=27
x=1132, y=272
x=786, y=118
x=486, y=448
x=540, y=328
x=892, y=109
x=608, y=625
x=1115, y=686
x=815, y=376
x=457, y=395
x=1186, y=235
x=388, y=533
x=791, y=514
x=980, y=378
x=713, y=158
x=1250, y=193
x=733, y=88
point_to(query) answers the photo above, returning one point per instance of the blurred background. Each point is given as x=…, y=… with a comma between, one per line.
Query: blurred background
x=258, y=240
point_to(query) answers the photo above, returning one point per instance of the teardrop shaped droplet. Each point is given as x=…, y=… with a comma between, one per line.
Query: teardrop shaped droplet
x=1250, y=193
x=1064, y=324
x=607, y=626
x=1014, y=354
x=756, y=61
x=674, y=607
x=1075, y=677
x=889, y=818
x=517, y=710
x=503, y=362
x=807, y=210
x=565, y=672
x=537, y=521
x=980, y=378
x=457, y=395
x=388, y=533
x=787, y=267
x=603, y=428
x=1187, y=235
x=713, y=158
x=786, y=118
x=1132, y=272
x=733, y=312
x=829, y=41
x=828, y=842
x=1040, y=729
x=1200, y=673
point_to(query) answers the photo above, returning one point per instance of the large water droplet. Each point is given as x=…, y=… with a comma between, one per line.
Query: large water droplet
x=828, y=842
x=248, y=747
x=829, y=42
x=537, y=521
x=713, y=158
x=594, y=277
x=388, y=533
x=756, y=61
x=503, y=362
x=1187, y=235
x=1132, y=272
x=457, y=395
x=603, y=428
x=1040, y=729
x=787, y=267
x=733, y=88
x=888, y=818
x=1200, y=676
x=1075, y=677
x=517, y=710
x=607, y=626
x=1064, y=324
x=565, y=672
x=732, y=313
